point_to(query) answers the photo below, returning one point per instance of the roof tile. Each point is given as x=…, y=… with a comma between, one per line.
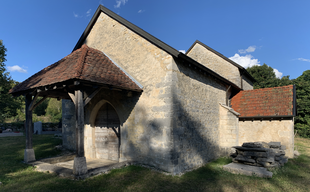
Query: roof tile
x=275, y=101
x=86, y=64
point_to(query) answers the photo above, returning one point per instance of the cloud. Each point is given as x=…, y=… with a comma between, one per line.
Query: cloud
x=278, y=74
x=302, y=59
x=248, y=50
x=17, y=68
x=182, y=51
x=245, y=61
x=75, y=15
x=141, y=11
x=120, y=2
x=88, y=13
x=249, y=61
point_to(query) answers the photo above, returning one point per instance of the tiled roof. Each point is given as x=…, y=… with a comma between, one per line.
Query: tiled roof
x=276, y=101
x=85, y=64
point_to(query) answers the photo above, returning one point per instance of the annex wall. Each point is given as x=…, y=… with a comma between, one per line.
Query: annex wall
x=196, y=117
x=217, y=64
x=267, y=131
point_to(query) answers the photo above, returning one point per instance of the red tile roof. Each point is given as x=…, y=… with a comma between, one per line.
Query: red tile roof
x=85, y=64
x=276, y=101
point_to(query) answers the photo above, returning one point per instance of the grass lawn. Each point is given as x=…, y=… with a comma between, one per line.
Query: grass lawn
x=17, y=176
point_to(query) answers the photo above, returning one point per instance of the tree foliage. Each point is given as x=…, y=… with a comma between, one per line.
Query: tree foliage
x=302, y=121
x=8, y=104
x=54, y=110
x=40, y=110
x=266, y=77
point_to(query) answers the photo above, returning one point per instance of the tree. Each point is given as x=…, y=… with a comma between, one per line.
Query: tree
x=40, y=110
x=54, y=110
x=8, y=104
x=302, y=121
x=264, y=76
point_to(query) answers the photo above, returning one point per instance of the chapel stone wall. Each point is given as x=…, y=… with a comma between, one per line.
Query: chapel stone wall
x=196, y=117
x=146, y=129
x=247, y=84
x=68, y=124
x=217, y=64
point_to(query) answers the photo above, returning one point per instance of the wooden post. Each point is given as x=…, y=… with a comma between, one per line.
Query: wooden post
x=79, y=110
x=79, y=166
x=29, y=152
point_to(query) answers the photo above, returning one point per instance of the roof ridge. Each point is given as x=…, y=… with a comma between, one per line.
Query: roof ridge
x=267, y=88
x=81, y=61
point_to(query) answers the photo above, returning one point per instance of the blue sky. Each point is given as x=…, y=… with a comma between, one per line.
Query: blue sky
x=38, y=33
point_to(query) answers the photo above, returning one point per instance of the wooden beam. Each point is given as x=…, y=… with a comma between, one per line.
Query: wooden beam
x=32, y=103
x=89, y=98
x=117, y=133
x=34, y=106
x=72, y=96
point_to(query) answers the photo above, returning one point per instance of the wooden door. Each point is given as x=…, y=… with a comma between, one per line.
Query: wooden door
x=107, y=131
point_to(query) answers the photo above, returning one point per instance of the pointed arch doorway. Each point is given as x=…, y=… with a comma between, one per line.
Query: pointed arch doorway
x=107, y=133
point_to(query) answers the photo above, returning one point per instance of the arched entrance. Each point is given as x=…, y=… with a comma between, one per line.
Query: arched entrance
x=107, y=133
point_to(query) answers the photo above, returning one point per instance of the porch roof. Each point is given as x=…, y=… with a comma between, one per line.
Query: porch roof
x=267, y=102
x=85, y=64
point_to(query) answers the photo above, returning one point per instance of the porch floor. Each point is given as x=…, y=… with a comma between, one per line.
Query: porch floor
x=65, y=168
x=91, y=163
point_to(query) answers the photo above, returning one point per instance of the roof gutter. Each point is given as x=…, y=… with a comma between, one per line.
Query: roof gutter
x=275, y=117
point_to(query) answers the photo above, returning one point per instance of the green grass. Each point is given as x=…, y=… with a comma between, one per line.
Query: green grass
x=16, y=176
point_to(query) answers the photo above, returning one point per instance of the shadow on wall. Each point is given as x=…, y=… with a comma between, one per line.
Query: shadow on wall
x=183, y=146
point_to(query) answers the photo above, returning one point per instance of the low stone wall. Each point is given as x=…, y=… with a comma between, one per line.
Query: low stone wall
x=21, y=126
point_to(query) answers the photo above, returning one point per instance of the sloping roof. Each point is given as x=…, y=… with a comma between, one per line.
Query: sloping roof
x=242, y=69
x=175, y=53
x=267, y=102
x=83, y=64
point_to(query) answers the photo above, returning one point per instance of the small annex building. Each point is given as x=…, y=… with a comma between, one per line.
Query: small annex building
x=127, y=96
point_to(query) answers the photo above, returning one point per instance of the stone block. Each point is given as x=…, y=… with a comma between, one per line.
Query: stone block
x=79, y=166
x=38, y=127
x=255, y=154
x=252, y=145
x=251, y=149
x=265, y=145
x=268, y=159
x=29, y=155
x=263, y=163
x=279, y=152
x=275, y=145
x=237, y=168
x=242, y=158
